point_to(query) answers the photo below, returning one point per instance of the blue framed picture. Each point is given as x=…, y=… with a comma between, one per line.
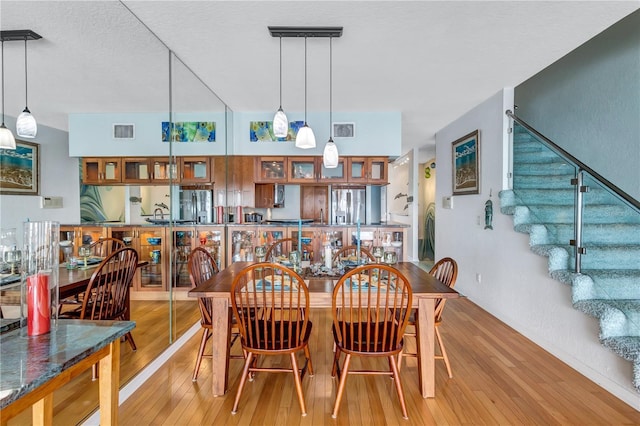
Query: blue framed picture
x=466, y=164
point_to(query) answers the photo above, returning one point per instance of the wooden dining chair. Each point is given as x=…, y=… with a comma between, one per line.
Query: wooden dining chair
x=202, y=266
x=348, y=252
x=279, y=247
x=105, y=246
x=371, y=305
x=271, y=304
x=445, y=270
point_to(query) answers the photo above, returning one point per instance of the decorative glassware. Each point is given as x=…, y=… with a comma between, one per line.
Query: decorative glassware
x=377, y=252
x=8, y=248
x=40, y=261
x=84, y=252
x=390, y=257
x=294, y=258
x=261, y=251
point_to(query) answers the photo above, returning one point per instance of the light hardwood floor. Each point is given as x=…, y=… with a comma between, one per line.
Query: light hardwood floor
x=79, y=398
x=499, y=377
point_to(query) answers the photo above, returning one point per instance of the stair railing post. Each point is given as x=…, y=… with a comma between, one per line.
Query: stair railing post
x=580, y=189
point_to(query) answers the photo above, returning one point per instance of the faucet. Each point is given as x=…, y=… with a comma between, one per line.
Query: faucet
x=321, y=216
x=155, y=213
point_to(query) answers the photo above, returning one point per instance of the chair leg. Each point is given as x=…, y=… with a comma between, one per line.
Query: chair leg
x=203, y=343
x=296, y=378
x=444, y=352
x=343, y=381
x=243, y=379
x=307, y=354
x=396, y=379
x=129, y=338
x=336, y=359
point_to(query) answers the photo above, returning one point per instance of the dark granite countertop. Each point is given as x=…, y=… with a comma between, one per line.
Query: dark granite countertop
x=30, y=361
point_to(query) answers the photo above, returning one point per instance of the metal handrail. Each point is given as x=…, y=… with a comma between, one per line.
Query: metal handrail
x=632, y=202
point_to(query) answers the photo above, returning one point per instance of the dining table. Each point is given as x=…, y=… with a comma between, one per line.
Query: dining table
x=426, y=290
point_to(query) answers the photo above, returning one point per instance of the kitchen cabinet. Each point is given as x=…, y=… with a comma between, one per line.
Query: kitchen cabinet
x=242, y=240
x=159, y=170
x=314, y=203
x=270, y=170
x=185, y=239
x=101, y=170
x=151, y=276
x=235, y=174
x=311, y=170
x=195, y=170
x=371, y=170
x=391, y=239
x=82, y=235
x=313, y=240
x=265, y=195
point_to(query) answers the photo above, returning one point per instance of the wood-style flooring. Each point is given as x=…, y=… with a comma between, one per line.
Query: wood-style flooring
x=499, y=378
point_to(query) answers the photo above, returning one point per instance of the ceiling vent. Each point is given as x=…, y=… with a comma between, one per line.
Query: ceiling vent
x=124, y=131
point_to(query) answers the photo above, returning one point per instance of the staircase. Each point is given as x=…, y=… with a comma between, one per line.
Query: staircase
x=542, y=205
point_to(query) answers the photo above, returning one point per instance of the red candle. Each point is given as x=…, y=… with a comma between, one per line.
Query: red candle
x=38, y=304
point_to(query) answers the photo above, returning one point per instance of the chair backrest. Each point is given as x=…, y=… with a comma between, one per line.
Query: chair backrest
x=350, y=252
x=279, y=247
x=271, y=305
x=445, y=270
x=371, y=305
x=105, y=246
x=106, y=294
x=202, y=266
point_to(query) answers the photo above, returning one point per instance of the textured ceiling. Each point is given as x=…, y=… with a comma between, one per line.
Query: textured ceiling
x=432, y=61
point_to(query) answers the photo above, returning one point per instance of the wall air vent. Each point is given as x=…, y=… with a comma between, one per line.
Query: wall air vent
x=124, y=131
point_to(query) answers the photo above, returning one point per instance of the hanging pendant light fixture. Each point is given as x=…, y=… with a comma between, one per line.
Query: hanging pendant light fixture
x=26, y=125
x=330, y=157
x=7, y=141
x=305, y=138
x=280, y=122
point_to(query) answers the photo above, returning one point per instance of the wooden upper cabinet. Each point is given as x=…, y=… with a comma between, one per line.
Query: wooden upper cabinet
x=335, y=175
x=196, y=170
x=158, y=170
x=270, y=170
x=372, y=170
x=303, y=169
x=101, y=170
x=240, y=177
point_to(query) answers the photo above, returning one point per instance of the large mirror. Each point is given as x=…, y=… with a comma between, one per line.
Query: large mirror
x=107, y=38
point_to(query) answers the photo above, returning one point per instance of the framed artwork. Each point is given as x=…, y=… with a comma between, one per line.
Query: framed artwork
x=262, y=131
x=344, y=130
x=466, y=164
x=189, y=131
x=20, y=169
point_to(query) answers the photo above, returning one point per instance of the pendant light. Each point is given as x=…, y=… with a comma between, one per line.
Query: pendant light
x=280, y=122
x=7, y=141
x=330, y=155
x=305, y=138
x=26, y=125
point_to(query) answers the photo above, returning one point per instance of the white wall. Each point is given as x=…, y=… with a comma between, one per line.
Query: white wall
x=515, y=286
x=59, y=177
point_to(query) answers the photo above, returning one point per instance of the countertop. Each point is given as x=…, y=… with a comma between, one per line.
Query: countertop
x=262, y=224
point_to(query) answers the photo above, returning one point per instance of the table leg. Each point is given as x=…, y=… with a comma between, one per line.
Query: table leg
x=220, y=345
x=109, y=384
x=42, y=411
x=426, y=352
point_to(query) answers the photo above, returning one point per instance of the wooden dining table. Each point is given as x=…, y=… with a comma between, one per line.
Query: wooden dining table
x=426, y=289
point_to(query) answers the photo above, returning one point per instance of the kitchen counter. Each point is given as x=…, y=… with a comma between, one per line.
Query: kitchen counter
x=292, y=224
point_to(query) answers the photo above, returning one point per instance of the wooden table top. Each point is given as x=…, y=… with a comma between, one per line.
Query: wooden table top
x=320, y=289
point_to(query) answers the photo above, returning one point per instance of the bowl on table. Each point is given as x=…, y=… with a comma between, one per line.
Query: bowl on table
x=154, y=241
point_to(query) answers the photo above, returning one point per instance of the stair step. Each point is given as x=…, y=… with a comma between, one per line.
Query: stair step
x=601, y=214
x=544, y=169
x=607, y=284
x=605, y=233
x=542, y=181
x=628, y=347
x=621, y=256
x=562, y=196
x=618, y=317
x=531, y=156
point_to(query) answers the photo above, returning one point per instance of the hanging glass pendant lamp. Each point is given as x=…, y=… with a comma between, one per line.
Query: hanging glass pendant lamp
x=7, y=141
x=305, y=138
x=280, y=122
x=330, y=157
x=26, y=125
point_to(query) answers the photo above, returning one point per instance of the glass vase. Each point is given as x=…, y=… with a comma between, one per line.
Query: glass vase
x=40, y=262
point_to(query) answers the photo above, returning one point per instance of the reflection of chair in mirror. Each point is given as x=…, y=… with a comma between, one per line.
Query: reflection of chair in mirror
x=283, y=328
x=349, y=252
x=107, y=292
x=202, y=266
x=279, y=247
x=105, y=246
x=371, y=305
x=445, y=270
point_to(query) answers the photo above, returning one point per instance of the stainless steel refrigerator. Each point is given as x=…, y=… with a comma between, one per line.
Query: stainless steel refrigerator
x=196, y=205
x=348, y=205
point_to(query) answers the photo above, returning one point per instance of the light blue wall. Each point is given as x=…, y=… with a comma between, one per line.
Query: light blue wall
x=589, y=103
x=376, y=133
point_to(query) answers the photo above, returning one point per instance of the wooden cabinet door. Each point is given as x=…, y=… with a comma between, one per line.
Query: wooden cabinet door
x=314, y=203
x=377, y=170
x=195, y=170
x=101, y=170
x=270, y=170
x=264, y=195
x=302, y=169
x=136, y=170
x=164, y=170
x=335, y=175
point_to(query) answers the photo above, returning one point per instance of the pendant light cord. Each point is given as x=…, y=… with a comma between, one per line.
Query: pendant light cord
x=305, y=80
x=25, y=74
x=330, y=86
x=3, y=82
x=281, y=72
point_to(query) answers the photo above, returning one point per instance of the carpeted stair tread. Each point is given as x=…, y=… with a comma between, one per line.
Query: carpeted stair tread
x=628, y=347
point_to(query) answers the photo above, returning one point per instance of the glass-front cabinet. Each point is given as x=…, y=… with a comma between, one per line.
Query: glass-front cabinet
x=334, y=175
x=101, y=170
x=314, y=239
x=302, y=169
x=148, y=170
x=82, y=235
x=185, y=239
x=372, y=170
x=391, y=239
x=195, y=170
x=271, y=170
x=242, y=241
x=149, y=242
